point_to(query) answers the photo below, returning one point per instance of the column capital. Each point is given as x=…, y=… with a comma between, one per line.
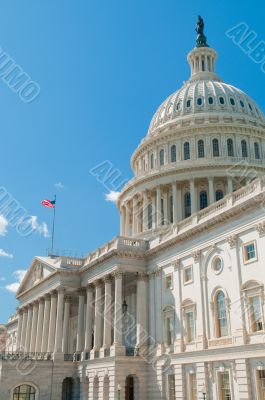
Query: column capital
x=142, y=276
x=118, y=274
x=90, y=287
x=47, y=296
x=97, y=283
x=81, y=291
x=107, y=279
x=60, y=289
x=158, y=271
x=20, y=311
x=53, y=293
x=41, y=300
x=67, y=298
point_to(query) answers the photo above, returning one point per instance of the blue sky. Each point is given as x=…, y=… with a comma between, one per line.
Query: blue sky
x=103, y=68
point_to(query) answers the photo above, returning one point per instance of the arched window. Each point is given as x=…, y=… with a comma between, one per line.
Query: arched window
x=219, y=195
x=220, y=315
x=230, y=148
x=186, y=151
x=200, y=148
x=187, y=204
x=173, y=152
x=162, y=157
x=256, y=151
x=203, y=199
x=244, y=148
x=24, y=392
x=216, y=152
x=152, y=161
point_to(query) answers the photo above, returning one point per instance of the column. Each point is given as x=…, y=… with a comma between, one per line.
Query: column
x=127, y=219
x=135, y=216
x=80, y=323
x=19, y=328
x=39, y=326
x=153, y=212
x=24, y=328
x=145, y=211
x=141, y=311
x=118, y=313
x=52, y=324
x=158, y=206
x=107, y=314
x=179, y=203
x=175, y=205
x=192, y=197
x=59, y=321
x=67, y=305
x=211, y=191
x=158, y=306
x=230, y=184
x=46, y=321
x=98, y=316
x=34, y=326
x=89, y=318
x=165, y=202
x=122, y=221
x=152, y=308
x=28, y=330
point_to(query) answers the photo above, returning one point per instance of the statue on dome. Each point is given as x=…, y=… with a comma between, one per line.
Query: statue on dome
x=201, y=40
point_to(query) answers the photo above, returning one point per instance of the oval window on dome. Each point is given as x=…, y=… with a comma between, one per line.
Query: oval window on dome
x=221, y=100
x=210, y=100
x=232, y=101
x=199, y=101
x=217, y=265
x=242, y=104
x=188, y=104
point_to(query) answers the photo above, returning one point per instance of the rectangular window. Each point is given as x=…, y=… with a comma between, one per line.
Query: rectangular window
x=171, y=387
x=169, y=282
x=249, y=252
x=190, y=325
x=187, y=275
x=224, y=386
x=261, y=384
x=193, y=387
x=255, y=314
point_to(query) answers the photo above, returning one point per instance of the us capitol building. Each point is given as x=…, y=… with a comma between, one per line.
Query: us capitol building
x=173, y=308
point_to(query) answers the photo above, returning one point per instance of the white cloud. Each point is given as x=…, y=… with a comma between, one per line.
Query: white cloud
x=3, y=225
x=112, y=196
x=19, y=275
x=59, y=185
x=5, y=254
x=42, y=228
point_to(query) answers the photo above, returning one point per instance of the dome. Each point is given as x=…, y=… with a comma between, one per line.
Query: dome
x=204, y=94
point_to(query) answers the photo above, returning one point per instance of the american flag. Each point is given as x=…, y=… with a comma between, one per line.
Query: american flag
x=48, y=203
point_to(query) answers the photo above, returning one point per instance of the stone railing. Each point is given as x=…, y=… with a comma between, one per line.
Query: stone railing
x=6, y=356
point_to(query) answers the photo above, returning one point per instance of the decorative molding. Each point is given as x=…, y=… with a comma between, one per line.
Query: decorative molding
x=176, y=264
x=261, y=228
x=232, y=240
x=196, y=255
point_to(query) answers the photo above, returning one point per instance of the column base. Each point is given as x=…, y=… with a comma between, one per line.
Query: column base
x=117, y=350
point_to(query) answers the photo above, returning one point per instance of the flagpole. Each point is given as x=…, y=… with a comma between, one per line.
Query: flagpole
x=53, y=223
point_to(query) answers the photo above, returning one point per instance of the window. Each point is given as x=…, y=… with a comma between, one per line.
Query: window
x=256, y=151
x=200, y=148
x=255, y=315
x=187, y=205
x=249, y=252
x=24, y=392
x=232, y=101
x=250, y=106
x=162, y=157
x=187, y=275
x=216, y=152
x=188, y=104
x=219, y=195
x=242, y=104
x=244, y=148
x=193, y=386
x=152, y=161
x=190, y=325
x=171, y=387
x=217, y=265
x=224, y=386
x=210, y=100
x=169, y=282
x=150, y=216
x=186, y=151
x=221, y=315
x=222, y=100
x=173, y=153
x=203, y=200
x=199, y=101
x=230, y=148
x=261, y=384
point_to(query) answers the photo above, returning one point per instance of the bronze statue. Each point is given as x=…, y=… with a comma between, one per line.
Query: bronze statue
x=201, y=38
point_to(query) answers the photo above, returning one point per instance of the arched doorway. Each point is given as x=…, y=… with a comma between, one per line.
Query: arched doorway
x=24, y=392
x=129, y=388
x=67, y=389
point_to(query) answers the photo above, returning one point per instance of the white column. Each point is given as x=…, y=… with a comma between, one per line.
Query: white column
x=145, y=211
x=67, y=305
x=24, y=328
x=211, y=191
x=152, y=308
x=46, y=321
x=153, y=212
x=192, y=197
x=135, y=216
x=179, y=203
x=107, y=314
x=89, y=318
x=34, y=326
x=52, y=324
x=19, y=329
x=158, y=206
x=127, y=219
x=80, y=324
x=122, y=221
x=141, y=310
x=59, y=321
x=98, y=316
x=118, y=310
x=230, y=184
x=158, y=304
x=175, y=204
x=39, y=326
x=165, y=202
x=28, y=330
